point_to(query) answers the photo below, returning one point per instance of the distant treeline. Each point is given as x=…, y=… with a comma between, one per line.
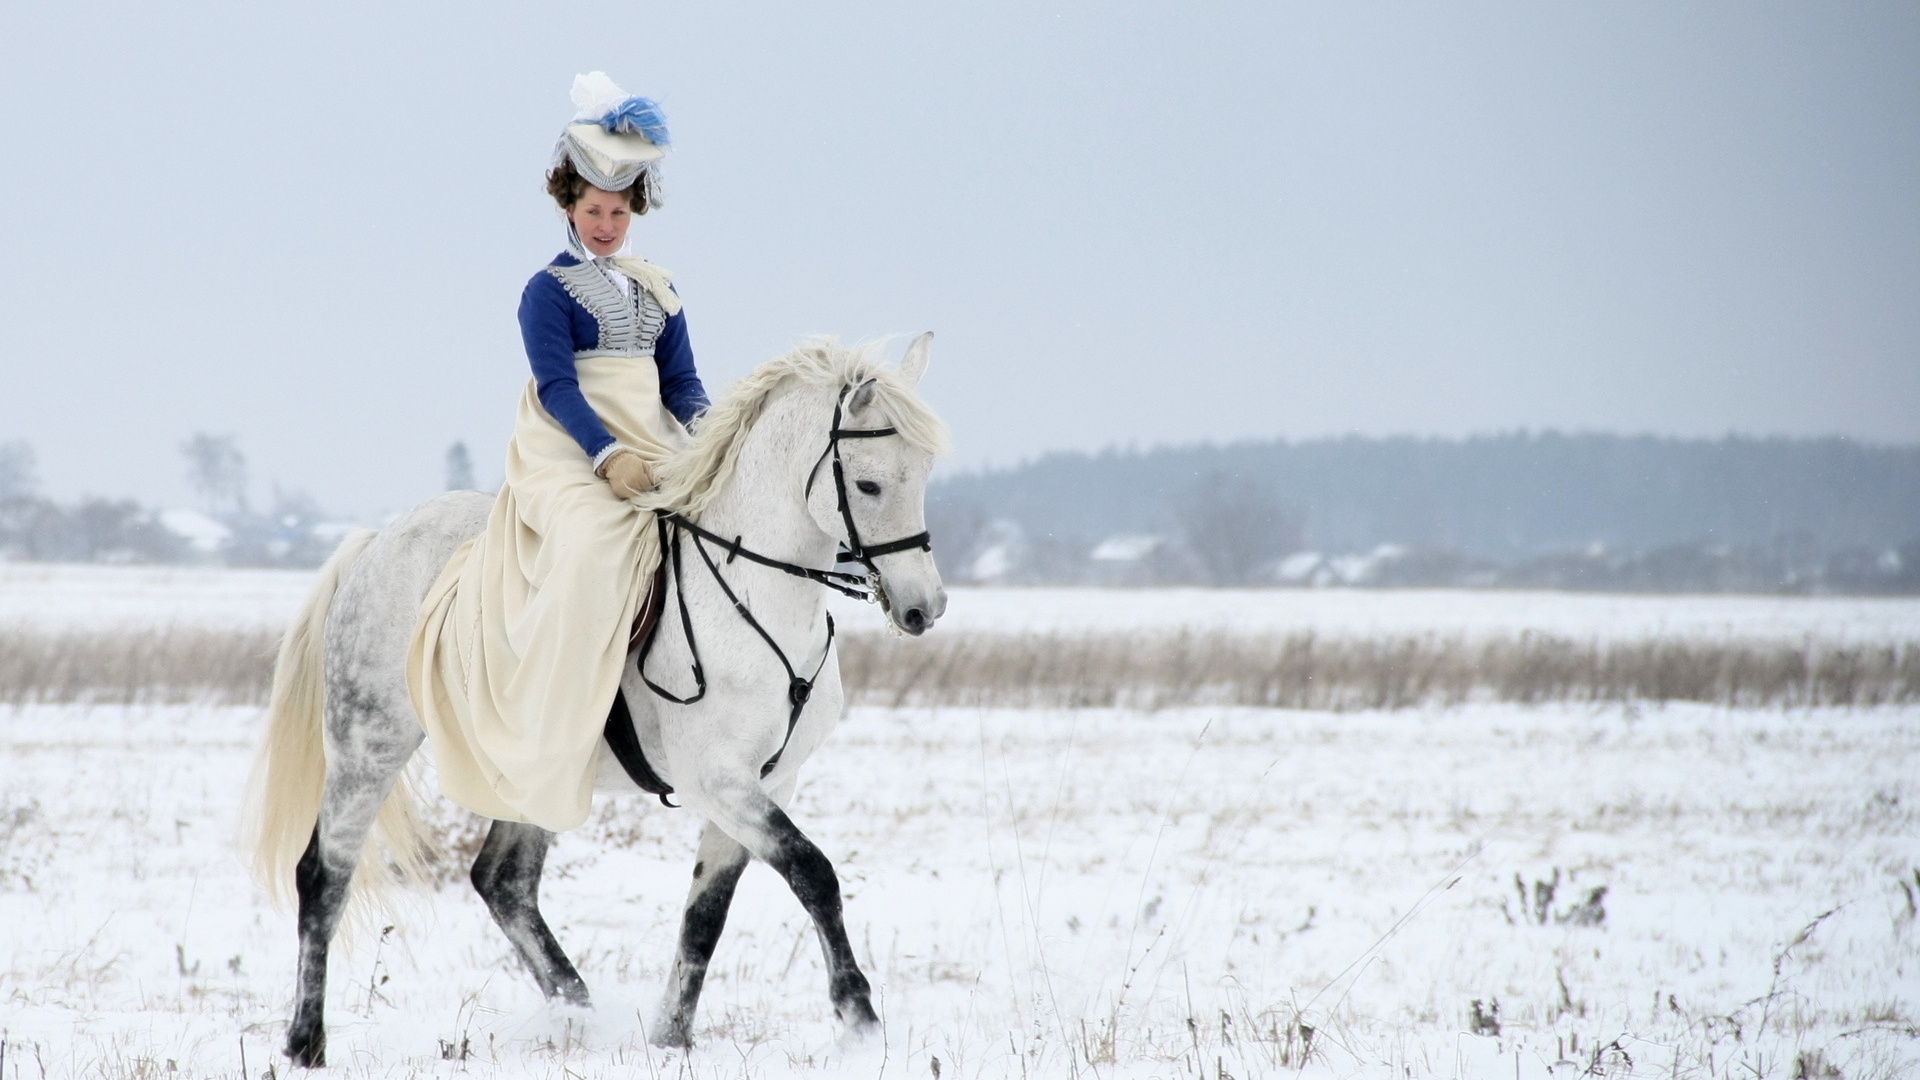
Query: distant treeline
x=1600, y=512
x=1579, y=511
x=227, y=527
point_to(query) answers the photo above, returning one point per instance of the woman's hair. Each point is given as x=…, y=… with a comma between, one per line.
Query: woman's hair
x=566, y=185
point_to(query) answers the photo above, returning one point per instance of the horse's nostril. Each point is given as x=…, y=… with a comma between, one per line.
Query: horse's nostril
x=915, y=618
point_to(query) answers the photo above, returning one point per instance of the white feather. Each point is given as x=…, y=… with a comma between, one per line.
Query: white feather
x=595, y=95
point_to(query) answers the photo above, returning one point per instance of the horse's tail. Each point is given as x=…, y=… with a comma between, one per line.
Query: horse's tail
x=290, y=767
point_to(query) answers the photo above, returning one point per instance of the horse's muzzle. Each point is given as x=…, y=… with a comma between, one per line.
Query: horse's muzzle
x=917, y=619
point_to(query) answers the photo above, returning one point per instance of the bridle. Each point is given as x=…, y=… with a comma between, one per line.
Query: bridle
x=673, y=526
x=855, y=550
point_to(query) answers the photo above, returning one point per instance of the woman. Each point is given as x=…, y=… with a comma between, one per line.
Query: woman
x=521, y=641
x=567, y=311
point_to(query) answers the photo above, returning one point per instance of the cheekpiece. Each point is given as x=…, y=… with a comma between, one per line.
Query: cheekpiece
x=614, y=139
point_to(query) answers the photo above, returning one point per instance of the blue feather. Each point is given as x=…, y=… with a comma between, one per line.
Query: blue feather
x=638, y=116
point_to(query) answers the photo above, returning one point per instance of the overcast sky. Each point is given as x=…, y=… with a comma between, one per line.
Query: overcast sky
x=308, y=225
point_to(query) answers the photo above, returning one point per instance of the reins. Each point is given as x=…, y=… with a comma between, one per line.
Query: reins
x=673, y=526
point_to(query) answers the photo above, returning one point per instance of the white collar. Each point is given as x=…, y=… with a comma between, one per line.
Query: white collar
x=578, y=249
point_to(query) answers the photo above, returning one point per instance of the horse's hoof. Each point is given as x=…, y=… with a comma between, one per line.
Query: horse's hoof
x=860, y=1032
x=672, y=1035
x=308, y=1051
x=861, y=1036
x=857, y=1013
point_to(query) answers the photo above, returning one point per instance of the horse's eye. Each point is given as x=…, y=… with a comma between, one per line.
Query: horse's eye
x=868, y=487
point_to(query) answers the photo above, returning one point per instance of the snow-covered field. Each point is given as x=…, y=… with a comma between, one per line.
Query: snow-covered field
x=1051, y=893
x=1468, y=613
x=60, y=597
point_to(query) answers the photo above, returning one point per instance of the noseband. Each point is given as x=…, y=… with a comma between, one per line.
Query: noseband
x=859, y=586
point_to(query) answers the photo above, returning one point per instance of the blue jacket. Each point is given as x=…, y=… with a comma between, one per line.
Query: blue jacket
x=554, y=326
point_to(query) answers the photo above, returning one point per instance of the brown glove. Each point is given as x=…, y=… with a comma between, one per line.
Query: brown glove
x=627, y=473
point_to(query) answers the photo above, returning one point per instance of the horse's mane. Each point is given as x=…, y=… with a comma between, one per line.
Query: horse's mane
x=690, y=478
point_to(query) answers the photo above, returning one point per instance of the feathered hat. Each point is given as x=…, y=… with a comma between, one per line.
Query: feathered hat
x=614, y=138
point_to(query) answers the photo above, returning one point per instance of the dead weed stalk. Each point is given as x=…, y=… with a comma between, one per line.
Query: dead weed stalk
x=1144, y=669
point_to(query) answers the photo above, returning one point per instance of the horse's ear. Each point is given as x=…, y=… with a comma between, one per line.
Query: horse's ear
x=861, y=397
x=914, y=365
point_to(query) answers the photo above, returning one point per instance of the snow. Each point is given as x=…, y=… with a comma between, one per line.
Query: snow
x=1446, y=612
x=94, y=596
x=1048, y=893
x=1163, y=892
x=57, y=596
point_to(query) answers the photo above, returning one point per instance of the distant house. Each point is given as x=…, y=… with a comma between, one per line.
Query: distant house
x=1000, y=554
x=204, y=535
x=1305, y=568
x=1126, y=548
x=1128, y=559
x=1386, y=564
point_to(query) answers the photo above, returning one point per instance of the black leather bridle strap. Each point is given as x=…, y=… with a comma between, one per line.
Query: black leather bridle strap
x=860, y=587
x=857, y=551
x=922, y=541
x=670, y=548
x=798, y=689
x=853, y=585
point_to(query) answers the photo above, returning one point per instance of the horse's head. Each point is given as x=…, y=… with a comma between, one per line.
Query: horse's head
x=869, y=490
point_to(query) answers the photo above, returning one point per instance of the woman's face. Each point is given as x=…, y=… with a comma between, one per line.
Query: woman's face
x=601, y=218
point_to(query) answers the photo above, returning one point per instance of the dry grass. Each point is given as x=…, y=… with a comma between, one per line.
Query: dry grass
x=125, y=667
x=1303, y=671
x=1128, y=669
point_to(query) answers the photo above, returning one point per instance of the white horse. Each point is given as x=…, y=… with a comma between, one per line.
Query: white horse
x=787, y=463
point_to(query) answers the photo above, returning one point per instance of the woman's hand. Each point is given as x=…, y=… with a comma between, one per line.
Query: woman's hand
x=627, y=473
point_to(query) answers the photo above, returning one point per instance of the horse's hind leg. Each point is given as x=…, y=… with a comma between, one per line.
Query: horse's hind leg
x=716, y=870
x=507, y=877
x=357, y=786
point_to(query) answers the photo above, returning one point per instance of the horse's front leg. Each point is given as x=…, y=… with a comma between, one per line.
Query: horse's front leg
x=753, y=819
x=817, y=887
x=716, y=870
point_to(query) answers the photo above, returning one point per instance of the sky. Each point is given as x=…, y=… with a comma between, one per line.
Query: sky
x=307, y=226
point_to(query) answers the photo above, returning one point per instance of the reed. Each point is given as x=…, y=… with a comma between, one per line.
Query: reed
x=1119, y=669
x=137, y=666
x=1149, y=670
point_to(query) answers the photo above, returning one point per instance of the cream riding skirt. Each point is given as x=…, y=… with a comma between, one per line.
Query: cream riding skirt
x=518, y=651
